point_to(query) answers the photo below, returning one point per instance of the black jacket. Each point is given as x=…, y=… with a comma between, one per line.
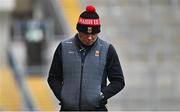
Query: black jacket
x=112, y=71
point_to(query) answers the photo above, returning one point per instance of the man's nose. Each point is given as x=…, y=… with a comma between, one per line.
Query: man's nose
x=90, y=37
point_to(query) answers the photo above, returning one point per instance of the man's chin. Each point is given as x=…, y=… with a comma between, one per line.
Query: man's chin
x=88, y=44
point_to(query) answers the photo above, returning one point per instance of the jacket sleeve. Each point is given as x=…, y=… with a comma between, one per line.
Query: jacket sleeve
x=114, y=74
x=55, y=77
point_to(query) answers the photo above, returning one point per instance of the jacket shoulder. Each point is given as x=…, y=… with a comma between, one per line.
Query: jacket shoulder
x=104, y=42
x=68, y=40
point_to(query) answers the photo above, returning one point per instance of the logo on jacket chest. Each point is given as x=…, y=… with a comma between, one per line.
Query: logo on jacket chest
x=97, y=53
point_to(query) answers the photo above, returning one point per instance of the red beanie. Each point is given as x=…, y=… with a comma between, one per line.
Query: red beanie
x=89, y=21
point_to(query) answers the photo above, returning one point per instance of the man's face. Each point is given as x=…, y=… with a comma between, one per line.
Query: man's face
x=87, y=39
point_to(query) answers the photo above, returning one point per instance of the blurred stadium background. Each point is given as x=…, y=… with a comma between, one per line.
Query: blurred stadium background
x=144, y=32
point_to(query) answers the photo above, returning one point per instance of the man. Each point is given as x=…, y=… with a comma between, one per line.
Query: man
x=81, y=66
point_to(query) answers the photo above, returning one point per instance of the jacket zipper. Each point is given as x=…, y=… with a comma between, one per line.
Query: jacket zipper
x=82, y=65
x=81, y=78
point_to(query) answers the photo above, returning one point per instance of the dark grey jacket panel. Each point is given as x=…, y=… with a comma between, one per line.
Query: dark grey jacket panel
x=71, y=75
x=82, y=85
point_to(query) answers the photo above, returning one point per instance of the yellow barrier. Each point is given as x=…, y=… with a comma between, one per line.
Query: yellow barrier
x=10, y=96
x=41, y=93
x=71, y=10
x=9, y=92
